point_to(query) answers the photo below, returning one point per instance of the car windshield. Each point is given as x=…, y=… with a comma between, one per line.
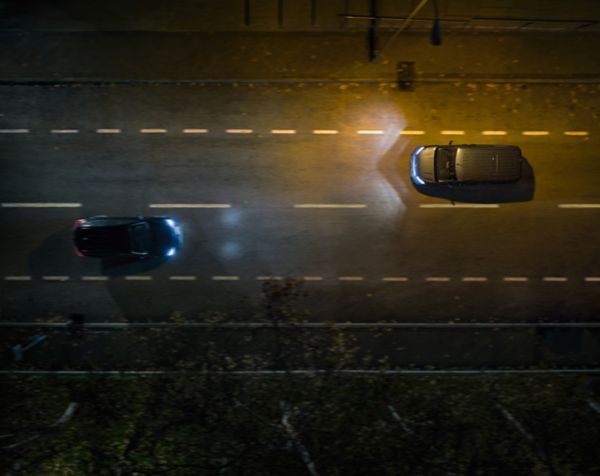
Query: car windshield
x=139, y=237
x=444, y=164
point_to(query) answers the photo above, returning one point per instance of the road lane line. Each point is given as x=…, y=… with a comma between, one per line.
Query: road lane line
x=195, y=131
x=17, y=278
x=437, y=279
x=189, y=205
x=452, y=133
x=64, y=131
x=42, y=205
x=535, y=133
x=14, y=131
x=312, y=278
x=138, y=278
x=108, y=131
x=395, y=279
x=269, y=278
x=475, y=279
x=325, y=131
x=579, y=205
x=515, y=279
x=459, y=205
x=153, y=131
x=494, y=133
x=239, y=131
x=554, y=279
x=283, y=131
x=225, y=278
x=330, y=205
x=351, y=278
x=576, y=133
x=592, y=279
x=182, y=278
x=94, y=278
x=370, y=132
x=412, y=133
x=55, y=278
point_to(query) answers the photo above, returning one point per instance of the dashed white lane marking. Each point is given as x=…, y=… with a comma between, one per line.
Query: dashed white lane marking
x=494, y=133
x=395, y=279
x=452, y=133
x=475, y=279
x=269, y=278
x=351, y=278
x=195, y=131
x=576, y=133
x=459, y=205
x=239, y=131
x=108, y=131
x=138, y=278
x=182, y=278
x=226, y=278
x=189, y=205
x=325, y=131
x=14, y=131
x=64, y=131
x=312, y=278
x=330, y=205
x=55, y=278
x=592, y=279
x=42, y=205
x=370, y=132
x=412, y=133
x=554, y=279
x=515, y=279
x=153, y=131
x=535, y=133
x=437, y=279
x=579, y=205
x=283, y=131
x=17, y=278
x=94, y=278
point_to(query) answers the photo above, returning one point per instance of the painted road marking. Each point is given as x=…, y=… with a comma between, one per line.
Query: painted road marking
x=108, y=131
x=475, y=279
x=554, y=279
x=226, y=278
x=370, y=131
x=351, y=278
x=330, y=205
x=64, y=131
x=153, y=131
x=55, y=278
x=579, y=205
x=437, y=279
x=592, y=279
x=269, y=278
x=189, y=205
x=459, y=205
x=182, y=278
x=576, y=133
x=395, y=279
x=494, y=133
x=239, y=131
x=14, y=131
x=17, y=278
x=283, y=131
x=515, y=279
x=535, y=133
x=325, y=131
x=42, y=205
x=412, y=133
x=312, y=278
x=195, y=131
x=138, y=278
x=452, y=133
x=94, y=278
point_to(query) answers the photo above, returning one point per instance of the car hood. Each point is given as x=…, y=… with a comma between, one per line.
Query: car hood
x=425, y=164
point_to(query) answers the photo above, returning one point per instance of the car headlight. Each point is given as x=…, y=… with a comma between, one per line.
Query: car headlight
x=171, y=252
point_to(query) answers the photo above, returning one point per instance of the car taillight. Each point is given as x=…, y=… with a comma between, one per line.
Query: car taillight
x=77, y=252
x=78, y=223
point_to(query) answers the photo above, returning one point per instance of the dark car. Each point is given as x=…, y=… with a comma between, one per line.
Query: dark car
x=103, y=236
x=465, y=164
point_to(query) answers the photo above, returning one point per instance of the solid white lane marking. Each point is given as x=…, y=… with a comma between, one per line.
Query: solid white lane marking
x=325, y=131
x=452, y=133
x=94, y=278
x=579, y=205
x=153, y=131
x=312, y=278
x=412, y=133
x=576, y=133
x=55, y=278
x=515, y=279
x=351, y=278
x=330, y=205
x=370, y=131
x=535, y=133
x=17, y=278
x=182, y=278
x=459, y=205
x=269, y=278
x=592, y=279
x=138, y=278
x=14, y=131
x=283, y=131
x=64, y=131
x=239, y=131
x=555, y=279
x=437, y=279
x=42, y=205
x=108, y=131
x=226, y=278
x=475, y=279
x=395, y=279
x=189, y=205
x=494, y=133
x=195, y=131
